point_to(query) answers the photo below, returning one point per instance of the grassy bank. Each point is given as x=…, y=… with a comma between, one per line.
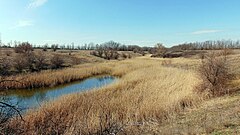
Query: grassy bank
x=53, y=78
x=147, y=92
x=89, y=66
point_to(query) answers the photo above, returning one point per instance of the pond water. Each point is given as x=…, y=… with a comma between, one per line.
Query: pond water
x=26, y=99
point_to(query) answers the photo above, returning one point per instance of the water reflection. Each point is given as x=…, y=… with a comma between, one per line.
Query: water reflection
x=33, y=98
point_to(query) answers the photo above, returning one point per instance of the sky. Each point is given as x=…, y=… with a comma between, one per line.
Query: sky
x=138, y=22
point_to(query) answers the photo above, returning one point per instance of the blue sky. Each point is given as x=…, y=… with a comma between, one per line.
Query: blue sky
x=142, y=22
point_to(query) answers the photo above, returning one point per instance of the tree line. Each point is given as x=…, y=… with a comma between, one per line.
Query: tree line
x=73, y=46
x=209, y=45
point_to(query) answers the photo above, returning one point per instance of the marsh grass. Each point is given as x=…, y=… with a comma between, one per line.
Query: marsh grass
x=52, y=78
x=147, y=92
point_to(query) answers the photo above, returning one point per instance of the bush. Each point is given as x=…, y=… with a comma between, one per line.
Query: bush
x=24, y=48
x=5, y=66
x=94, y=53
x=40, y=61
x=129, y=56
x=214, y=73
x=57, y=61
x=21, y=63
x=124, y=55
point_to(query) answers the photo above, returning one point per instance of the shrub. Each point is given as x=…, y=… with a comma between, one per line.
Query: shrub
x=100, y=51
x=124, y=55
x=129, y=56
x=24, y=48
x=115, y=55
x=214, y=73
x=5, y=66
x=40, y=61
x=94, y=53
x=57, y=61
x=135, y=50
x=21, y=62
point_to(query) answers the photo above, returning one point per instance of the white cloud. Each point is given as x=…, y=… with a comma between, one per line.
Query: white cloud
x=23, y=23
x=205, y=32
x=36, y=3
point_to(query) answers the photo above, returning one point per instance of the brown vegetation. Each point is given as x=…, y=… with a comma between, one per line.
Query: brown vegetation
x=150, y=92
x=132, y=101
x=214, y=72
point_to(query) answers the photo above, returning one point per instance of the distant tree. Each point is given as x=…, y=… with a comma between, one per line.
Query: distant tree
x=45, y=47
x=54, y=47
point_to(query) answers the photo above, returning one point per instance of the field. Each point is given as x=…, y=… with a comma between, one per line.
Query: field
x=152, y=96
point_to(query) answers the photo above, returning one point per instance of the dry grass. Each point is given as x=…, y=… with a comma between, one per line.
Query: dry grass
x=52, y=78
x=89, y=66
x=150, y=98
x=146, y=92
x=217, y=116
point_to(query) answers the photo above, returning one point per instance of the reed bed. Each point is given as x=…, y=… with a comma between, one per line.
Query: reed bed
x=147, y=92
x=53, y=78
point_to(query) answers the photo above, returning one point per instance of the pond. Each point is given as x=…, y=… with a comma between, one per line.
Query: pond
x=29, y=99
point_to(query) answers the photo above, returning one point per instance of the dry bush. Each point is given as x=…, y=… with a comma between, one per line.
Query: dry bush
x=115, y=55
x=57, y=61
x=214, y=72
x=21, y=63
x=94, y=53
x=100, y=51
x=124, y=55
x=129, y=56
x=110, y=54
x=24, y=48
x=24, y=62
x=40, y=61
x=5, y=66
